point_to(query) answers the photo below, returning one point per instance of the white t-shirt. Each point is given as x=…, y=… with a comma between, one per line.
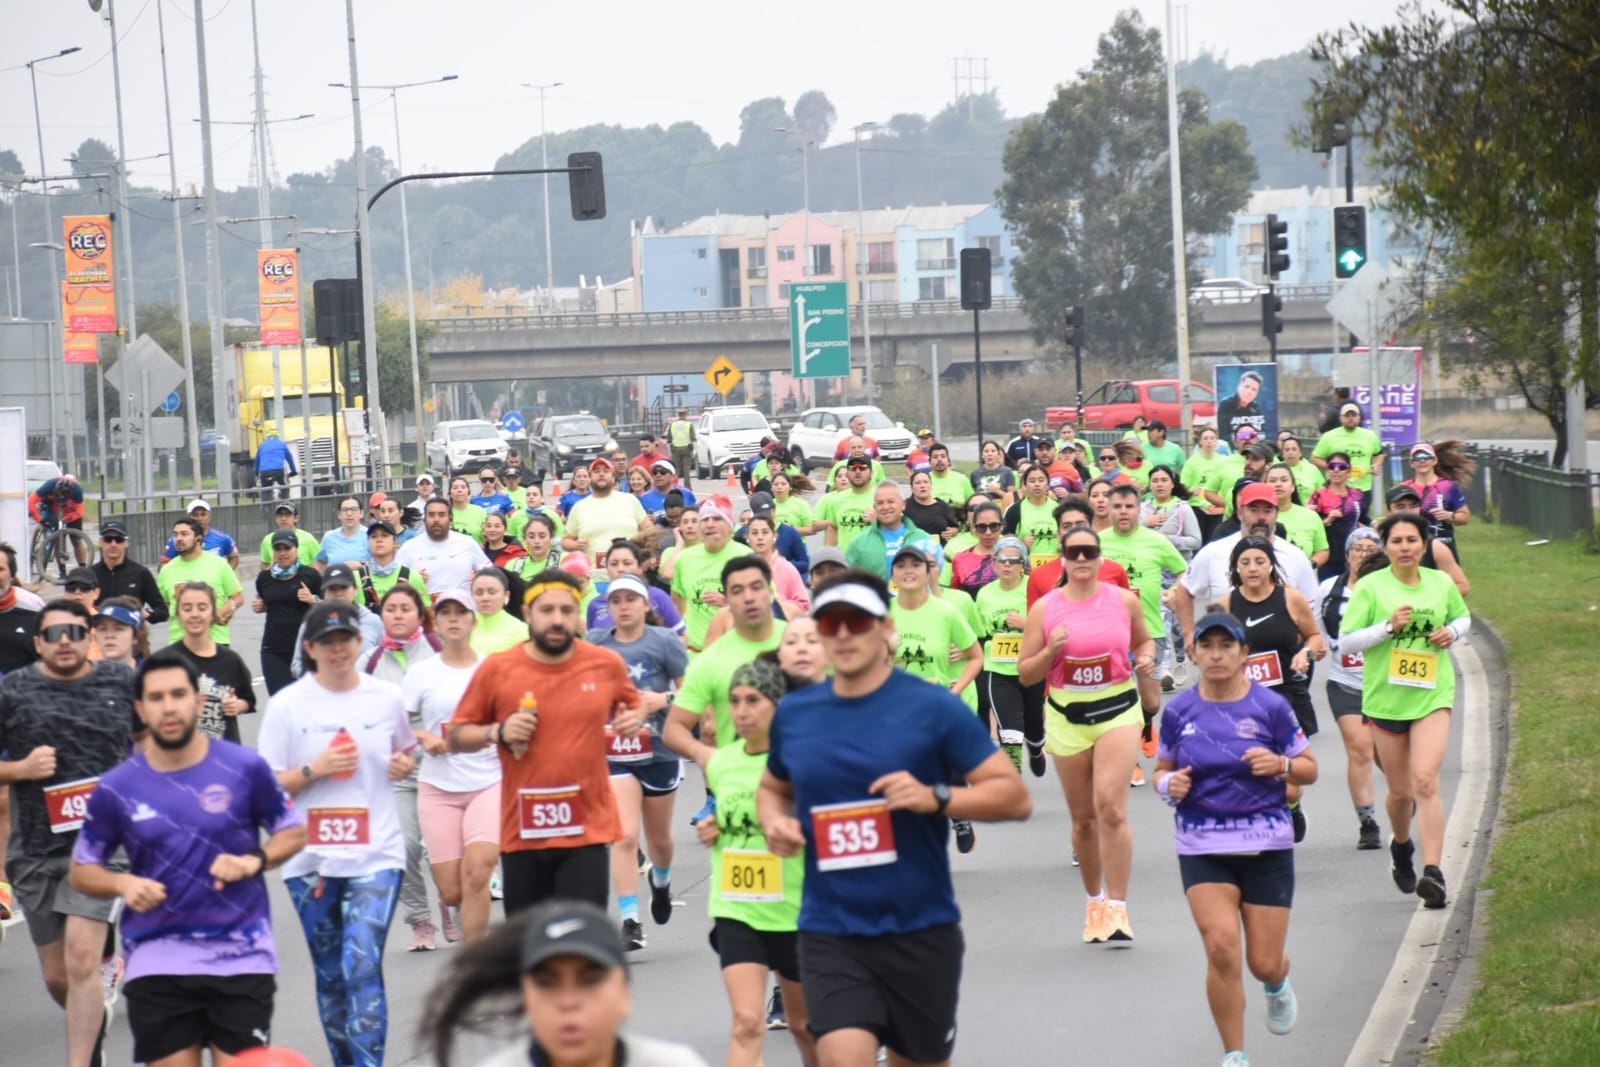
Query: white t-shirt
x=1207, y=576
x=300, y=721
x=432, y=689
x=1343, y=667
x=450, y=564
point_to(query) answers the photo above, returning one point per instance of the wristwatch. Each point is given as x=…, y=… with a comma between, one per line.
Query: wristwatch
x=1388, y=626
x=260, y=854
x=941, y=798
x=305, y=771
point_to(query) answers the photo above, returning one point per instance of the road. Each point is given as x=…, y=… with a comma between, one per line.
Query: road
x=1032, y=992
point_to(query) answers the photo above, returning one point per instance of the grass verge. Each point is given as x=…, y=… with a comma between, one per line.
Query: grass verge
x=1537, y=998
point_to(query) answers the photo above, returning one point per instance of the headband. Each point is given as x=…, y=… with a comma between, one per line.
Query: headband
x=539, y=588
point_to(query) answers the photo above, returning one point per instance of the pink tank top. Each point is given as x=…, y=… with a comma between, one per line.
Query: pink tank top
x=1096, y=653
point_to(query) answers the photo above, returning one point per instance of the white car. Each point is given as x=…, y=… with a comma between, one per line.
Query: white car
x=41, y=471
x=1225, y=291
x=725, y=435
x=465, y=445
x=814, y=440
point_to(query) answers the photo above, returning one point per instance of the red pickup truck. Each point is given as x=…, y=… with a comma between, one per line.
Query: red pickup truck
x=1114, y=405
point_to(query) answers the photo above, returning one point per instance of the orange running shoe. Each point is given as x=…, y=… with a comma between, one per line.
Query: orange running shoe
x=7, y=905
x=1138, y=777
x=1094, y=923
x=1116, y=923
x=1147, y=741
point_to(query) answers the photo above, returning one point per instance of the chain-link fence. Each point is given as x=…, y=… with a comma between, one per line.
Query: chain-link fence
x=1521, y=488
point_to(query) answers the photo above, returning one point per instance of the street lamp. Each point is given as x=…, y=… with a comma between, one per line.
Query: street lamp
x=405, y=246
x=544, y=161
x=861, y=259
x=55, y=274
x=805, y=178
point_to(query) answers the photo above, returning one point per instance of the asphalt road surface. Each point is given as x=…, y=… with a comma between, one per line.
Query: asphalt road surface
x=1031, y=992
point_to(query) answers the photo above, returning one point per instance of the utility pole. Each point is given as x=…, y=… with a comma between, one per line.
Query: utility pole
x=369, y=316
x=862, y=265
x=1180, y=269
x=191, y=417
x=222, y=387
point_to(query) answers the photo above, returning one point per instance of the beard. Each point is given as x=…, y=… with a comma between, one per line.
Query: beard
x=551, y=642
x=178, y=742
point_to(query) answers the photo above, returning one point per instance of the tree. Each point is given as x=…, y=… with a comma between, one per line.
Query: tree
x=93, y=156
x=394, y=356
x=10, y=163
x=1086, y=190
x=1486, y=127
x=814, y=116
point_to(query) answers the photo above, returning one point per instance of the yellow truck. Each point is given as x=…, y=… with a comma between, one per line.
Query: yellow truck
x=260, y=415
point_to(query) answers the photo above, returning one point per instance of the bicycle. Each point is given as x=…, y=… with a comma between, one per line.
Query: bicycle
x=55, y=543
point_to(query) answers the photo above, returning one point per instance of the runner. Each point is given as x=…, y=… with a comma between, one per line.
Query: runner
x=1356, y=441
x=189, y=811
x=604, y=516
x=626, y=557
x=645, y=774
x=1308, y=477
x=1303, y=527
x=1344, y=684
x=864, y=773
x=336, y=739
x=1405, y=618
x=545, y=706
x=466, y=518
x=1438, y=555
x=1438, y=473
x=1086, y=640
x=64, y=722
x=1282, y=637
x=754, y=897
x=121, y=632
x=787, y=583
x=285, y=591
x=458, y=794
x=992, y=477
x=1031, y=518
x=787, y=508
x=192, y=563
x=445, y=559
x=347, y=542
x=1018, y=709
x=1229, y=748
x=225, y=680
x=698, y=572
x=577, y=489
x=497, y=628
x=1198, y=472
x=382, y=571
x=973, y=568
x=685, y=533
x=1071, y=512
x=1167, y=513
x=949, y=485
x=339, y=587
x=1340, y=506
x=118, y=575
x=842, y=515
x=874, y=547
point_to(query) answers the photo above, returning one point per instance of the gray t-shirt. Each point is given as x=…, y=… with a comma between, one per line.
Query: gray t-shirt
x=655, y=662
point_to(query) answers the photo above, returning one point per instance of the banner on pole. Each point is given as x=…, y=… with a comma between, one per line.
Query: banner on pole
x=81, y=347
x=278, y=281
x=89, y=308
x=87, y=240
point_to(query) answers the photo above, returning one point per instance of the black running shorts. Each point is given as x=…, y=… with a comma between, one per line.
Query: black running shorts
x=172, y=1012
x=902, y=988
x=1264, y=878
x=735, y=942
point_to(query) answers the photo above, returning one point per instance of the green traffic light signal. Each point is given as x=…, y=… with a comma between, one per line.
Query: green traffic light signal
x=1349, y=239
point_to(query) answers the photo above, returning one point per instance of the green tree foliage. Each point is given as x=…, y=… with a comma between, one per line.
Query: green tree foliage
x=394, y=356
x=1087, y=190
x=1263, y=97
x=1486, y=122
x=94, y=156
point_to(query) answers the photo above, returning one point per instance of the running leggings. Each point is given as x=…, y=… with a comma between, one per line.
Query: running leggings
x=346, y=921
x=1018, y=708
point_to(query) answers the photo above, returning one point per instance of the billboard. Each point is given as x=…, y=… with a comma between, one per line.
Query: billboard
x=1247, y=395
x=87, y=240
x=278, y=292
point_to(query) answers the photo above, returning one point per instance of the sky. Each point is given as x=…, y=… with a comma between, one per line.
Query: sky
x=626, y=62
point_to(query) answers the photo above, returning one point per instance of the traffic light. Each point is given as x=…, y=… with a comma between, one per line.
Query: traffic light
x=1276, y=260
x=1349, y=239
x=1075, y=327
x=1271, y=316
x=586, y=184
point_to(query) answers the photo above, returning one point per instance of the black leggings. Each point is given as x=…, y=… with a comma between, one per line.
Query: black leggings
x=533, y=876
x=1018, y=708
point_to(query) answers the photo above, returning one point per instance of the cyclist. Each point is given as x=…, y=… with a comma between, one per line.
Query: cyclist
x=58, y=503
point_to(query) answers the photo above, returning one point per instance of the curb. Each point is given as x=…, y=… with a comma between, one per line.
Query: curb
x=1435, y=964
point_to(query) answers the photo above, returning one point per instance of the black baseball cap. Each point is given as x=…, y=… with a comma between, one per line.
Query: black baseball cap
x=381, y=526
x=337, y=575
x=83, y=576
x=285, y=538
x=114, y=526
x=572, y=929
x=761, y=504
x=329, y=617
x=287, y=505
x=858, y=461
x=1393, y=496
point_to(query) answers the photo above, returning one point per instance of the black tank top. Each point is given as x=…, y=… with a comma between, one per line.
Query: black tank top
x=1269, y=628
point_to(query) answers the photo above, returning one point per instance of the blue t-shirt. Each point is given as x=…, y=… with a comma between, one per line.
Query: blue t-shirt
x=830, y=749
x=173, y=825
x=337, y=548
x=655, y=661
x=568, y=500
x=654, y=500
x=1228, y=808
x=214, y=541
x=599, y=612
x=494, y=502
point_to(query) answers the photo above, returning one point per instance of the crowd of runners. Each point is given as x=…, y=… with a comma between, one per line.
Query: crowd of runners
x=497, y=691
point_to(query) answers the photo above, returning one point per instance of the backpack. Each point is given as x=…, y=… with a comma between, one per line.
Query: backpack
x=370, y=594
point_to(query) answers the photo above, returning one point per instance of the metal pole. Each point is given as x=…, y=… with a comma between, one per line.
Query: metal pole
x=264, y=209
x=126, y=228
x=1077, y=362
x=977, y=373
x=50, y=237
x=411, y=296
x=305, y=416
x=191, y=415
x=1377, y=397
x=861, y=273
x=549, y=248
x=222, y=388
x=933, y=377
x=376, y=429
x=1180, y=270
x=1333, y=241
x=1272, y=335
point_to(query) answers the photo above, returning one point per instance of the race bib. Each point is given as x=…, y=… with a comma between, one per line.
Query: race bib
x=338, y=829
x=1264, y=668
x=633, y=749
x=1357, y=473
x=1092, y=672
x=1352, y=661
x=751, y=876
x=68, y=803
x=1005, y=648
x=1039, y=559
x=857, y=833
x=543, y=813
x=1414, y=668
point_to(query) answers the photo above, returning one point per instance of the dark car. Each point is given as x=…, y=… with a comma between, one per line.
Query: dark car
x=563, y=443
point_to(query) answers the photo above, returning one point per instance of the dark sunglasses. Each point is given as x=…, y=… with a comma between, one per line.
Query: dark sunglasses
x=1421, y=457
x=1014, y=561
x=986, y=527
x=78, y=587
x=72, y=631
x=856, y=622
x=1078, y=553
x=1107, y=456
x=113, y=539
x=1338, y=466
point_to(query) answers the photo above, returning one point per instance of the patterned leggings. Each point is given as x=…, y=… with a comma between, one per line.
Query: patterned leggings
x=346, y=921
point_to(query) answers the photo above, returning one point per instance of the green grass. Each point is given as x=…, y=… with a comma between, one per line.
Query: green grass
x=1537, y=997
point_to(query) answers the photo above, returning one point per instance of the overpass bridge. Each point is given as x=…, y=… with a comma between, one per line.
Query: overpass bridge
x=610, y=345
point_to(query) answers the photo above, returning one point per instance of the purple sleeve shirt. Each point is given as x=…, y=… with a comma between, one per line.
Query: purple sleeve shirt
x=1229, y=809
x=173, y=826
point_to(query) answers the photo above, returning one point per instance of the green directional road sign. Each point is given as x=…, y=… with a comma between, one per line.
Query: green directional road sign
x=819, y=330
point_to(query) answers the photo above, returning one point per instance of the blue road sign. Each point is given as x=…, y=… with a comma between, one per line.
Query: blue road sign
x=172, y=402
x=511, y=422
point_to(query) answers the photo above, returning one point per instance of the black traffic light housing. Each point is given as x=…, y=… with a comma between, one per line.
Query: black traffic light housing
x=1075, y=327
x=1276, y=260
x=1271, y=316
x=1349, y=239
x=976, y=271
x=587, y=184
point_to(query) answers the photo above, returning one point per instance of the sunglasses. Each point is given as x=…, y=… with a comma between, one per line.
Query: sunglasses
x=1421, y=457
x=72, y=631
x=1338, y=466
x=1107, y=458
x=1013, y=561
x=113, y=539
x=78, y=587
x=486, y=481
x=856, y=622
x=986, y=527
x=1079, y=553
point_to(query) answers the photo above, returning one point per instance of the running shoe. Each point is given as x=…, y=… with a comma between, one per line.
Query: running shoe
x=1117, y=927
x=643, y=861
x=632, y=935
x=1431, y=887
x=1036, y=762
x=497, y=891
x=1138, y=777
x=1236, y=1059
x=1282, y=1008
x=966, y=836
x=776, y=1020
x=1147, y=741
x=1075, y=862
x=423, y=937
x=660, y=902
x=448, y=924
x=1370, y=838
x=708, y=809
x=1169, y=681
x=1401, y=868
x=1094, y=920
x=7, y=903
x=111, y=982
x=1297, y=815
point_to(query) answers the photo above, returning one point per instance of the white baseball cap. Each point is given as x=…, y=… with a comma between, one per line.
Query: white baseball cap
x=853, y=594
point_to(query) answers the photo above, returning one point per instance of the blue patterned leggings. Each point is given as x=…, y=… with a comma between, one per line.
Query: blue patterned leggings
x=346, y=921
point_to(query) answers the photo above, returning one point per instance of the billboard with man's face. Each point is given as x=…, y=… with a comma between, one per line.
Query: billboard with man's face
x=1247, y=395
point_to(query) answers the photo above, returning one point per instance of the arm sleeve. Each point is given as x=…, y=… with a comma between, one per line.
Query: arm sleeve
x=775, y=763
x=1361, y=628
x=243, y=685
x=1012, y=517
x=272, y=743
x=1187, y=536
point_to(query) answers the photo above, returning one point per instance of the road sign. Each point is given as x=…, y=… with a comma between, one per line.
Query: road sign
x=819, y=330
x=145, y=357
x=1370, y=301
x=172, y=402
x=723, y=375
x=512, y=423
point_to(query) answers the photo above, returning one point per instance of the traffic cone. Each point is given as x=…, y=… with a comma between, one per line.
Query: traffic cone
x=733, y=482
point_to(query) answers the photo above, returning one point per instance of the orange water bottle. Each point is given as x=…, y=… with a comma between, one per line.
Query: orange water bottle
x=526, y=706
x=342, y=739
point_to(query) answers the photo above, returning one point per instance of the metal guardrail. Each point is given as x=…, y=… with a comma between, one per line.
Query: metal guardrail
x=1522, y=489
x=780, y=313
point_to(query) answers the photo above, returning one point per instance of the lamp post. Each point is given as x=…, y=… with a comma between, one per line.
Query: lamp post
x=544, y=161
x=405, y=248
x=55, y=274
x=805, y=186
x=861, y=260
x=1180, y=280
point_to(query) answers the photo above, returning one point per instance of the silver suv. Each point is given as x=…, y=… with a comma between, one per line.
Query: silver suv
x=815, y=438
x=465, y=445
